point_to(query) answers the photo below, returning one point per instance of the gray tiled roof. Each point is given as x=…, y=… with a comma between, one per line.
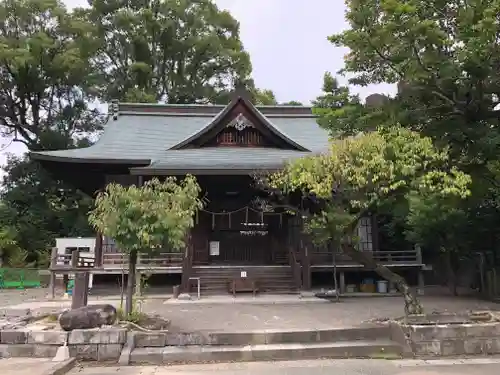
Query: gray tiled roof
x=245, y=159
x=146, y=138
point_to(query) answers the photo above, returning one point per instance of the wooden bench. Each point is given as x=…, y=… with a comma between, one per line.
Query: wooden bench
x=245, y=284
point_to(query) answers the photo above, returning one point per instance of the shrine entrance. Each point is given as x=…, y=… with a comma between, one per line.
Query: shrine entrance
x=235, y=229
x=237, y=247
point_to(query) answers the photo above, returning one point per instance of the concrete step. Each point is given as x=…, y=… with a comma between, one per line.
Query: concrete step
x=266, y=352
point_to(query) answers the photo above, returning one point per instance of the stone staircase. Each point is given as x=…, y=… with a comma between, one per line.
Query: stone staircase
x=270, y=279
x=169, y=348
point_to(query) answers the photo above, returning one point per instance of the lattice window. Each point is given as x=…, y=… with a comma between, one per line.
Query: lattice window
x=245, y=137
x=365, y=234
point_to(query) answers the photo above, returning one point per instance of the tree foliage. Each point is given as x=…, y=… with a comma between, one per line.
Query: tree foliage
x=443, y=55
x=155, y=216
x=166, y=50
x=44, y=71
x=358, y=174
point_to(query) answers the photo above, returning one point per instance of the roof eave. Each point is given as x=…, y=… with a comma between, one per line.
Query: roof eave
x=83, y=160
x=200, y=171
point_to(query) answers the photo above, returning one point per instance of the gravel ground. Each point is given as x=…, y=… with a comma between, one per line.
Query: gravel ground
x=243, y=316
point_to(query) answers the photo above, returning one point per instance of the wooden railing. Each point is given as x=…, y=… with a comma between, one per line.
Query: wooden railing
x=71, y=261
x=392, y=257
x=161, y=259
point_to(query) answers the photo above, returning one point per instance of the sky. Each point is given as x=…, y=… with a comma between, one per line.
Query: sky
x=287, y=42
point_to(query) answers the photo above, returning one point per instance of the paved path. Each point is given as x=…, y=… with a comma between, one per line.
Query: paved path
x=318, y=367
x=25, y=366
x=263, y=312
x=348, y=312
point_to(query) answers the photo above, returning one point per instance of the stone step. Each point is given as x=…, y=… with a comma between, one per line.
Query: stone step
x=266, y=352
x=222, y=338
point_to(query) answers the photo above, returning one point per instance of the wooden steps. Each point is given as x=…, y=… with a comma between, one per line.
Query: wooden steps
x=270, y=279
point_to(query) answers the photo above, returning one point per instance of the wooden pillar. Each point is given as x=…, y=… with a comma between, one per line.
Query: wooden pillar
x=306, y=270
x=98, y=250
x=421, y=282
x=53, y=264
x=375, y=233
x=80, y=290
x=187, y=265
x=342, y=282
x=138, y=284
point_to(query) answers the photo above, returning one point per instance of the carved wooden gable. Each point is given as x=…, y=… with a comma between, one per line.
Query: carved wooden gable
x=240, y=131
x=240, y=124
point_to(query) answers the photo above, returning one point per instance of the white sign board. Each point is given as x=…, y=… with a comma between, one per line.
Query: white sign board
x=214, y=248
x=243, y=274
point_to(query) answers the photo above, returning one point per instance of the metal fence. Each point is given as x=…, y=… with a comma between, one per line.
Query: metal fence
x=19, y=278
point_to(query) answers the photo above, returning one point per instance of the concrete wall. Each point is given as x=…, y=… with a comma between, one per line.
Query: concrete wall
x=98, y=345
x=454, y=339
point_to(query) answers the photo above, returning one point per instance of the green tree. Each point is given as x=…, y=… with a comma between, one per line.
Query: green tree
x=443, y=54
x=44, y=72
x=155, y=216
x=39, y=208
x=359, y=174
x=173, y=51
x=292, y=103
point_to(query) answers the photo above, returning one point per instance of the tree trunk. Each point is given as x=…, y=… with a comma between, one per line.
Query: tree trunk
x=132, y=262
x=412, y=304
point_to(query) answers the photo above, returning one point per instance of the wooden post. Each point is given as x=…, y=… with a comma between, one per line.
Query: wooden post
x=306, y=270
x=421, y=282
x=53, y=264
x=80, y=290
x=75, y=256
x=342, y=282
x=98, y=250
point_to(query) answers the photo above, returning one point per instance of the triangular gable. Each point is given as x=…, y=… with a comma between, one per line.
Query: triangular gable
x=232, y=115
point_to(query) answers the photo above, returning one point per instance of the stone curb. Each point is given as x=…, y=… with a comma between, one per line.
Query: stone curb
x=61, y=368
x=124, y=359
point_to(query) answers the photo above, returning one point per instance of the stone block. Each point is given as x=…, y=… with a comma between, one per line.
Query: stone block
x=152, y=356
x=47, y=337
x=97, y=336
x=106, y=352
x=436, y=332
x=482, y=346
x=480, y=330
x=297, y=336
x=235, y=338
x=452, y=347
x=16, y=350
x=44, y=351
x=184, y=339
x=143, y=339
x=14, y=337
x=87, y=352
x=124, y=359
x=432, y=348
x=474, y=346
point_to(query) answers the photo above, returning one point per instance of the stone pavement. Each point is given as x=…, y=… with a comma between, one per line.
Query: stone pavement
x=318, y=367
x=264, y=312
x=27, y=366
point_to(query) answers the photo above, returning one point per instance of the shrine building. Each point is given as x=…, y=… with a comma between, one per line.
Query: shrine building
x=223, y=146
